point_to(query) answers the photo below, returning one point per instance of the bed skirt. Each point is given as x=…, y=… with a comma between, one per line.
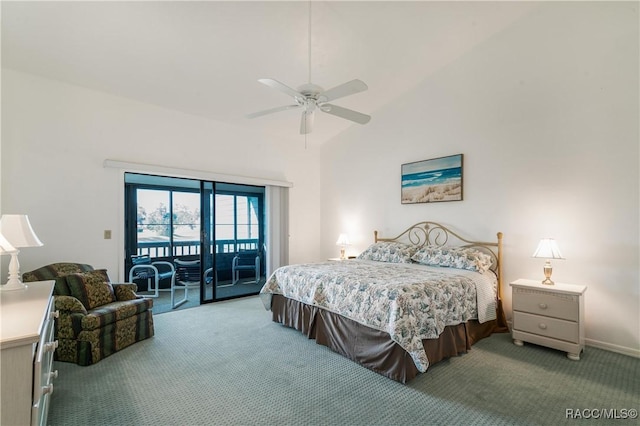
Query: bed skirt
x=372, y=348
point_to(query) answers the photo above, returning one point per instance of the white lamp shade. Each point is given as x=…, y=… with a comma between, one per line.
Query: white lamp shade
x=5, y=246
x=18, y=231
x=548, y=249
x=343, y=240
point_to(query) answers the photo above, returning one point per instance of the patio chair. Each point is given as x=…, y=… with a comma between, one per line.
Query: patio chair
x=245, y=260
x=187, y=276
x=154, y=272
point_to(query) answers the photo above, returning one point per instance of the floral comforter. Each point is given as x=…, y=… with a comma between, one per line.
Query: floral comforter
x=411, y=302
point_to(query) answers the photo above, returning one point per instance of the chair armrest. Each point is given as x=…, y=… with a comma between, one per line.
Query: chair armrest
x=208, y=275
x=125, y=291
x=69, y=304
x=143, y=271
x=157, y=270
x=71, y=313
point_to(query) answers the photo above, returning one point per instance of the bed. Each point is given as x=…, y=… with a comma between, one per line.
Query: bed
x=404, y=304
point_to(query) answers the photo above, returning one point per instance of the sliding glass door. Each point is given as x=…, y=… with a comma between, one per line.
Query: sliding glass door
x=234, y=238
x=212, y=234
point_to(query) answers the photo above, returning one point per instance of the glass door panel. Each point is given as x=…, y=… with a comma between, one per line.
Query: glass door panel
x=225, y=242
x=162, y=228
x=239, y=239
x=185, y=234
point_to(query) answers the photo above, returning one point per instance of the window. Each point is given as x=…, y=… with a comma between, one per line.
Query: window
x=237, y=225
x=167, y=222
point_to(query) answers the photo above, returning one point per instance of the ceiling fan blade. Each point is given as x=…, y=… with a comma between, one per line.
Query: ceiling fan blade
x=306, y=122
x=348, y=88
x=348, y=114
x=275, y=84
x=272, y=110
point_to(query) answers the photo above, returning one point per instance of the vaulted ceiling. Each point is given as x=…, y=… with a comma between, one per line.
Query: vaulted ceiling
x=204, y=58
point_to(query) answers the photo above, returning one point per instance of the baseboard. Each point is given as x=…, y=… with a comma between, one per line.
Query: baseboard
x=613, y=348
x=635, y=353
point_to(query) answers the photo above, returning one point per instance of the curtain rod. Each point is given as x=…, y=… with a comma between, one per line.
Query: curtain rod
x=194, y=174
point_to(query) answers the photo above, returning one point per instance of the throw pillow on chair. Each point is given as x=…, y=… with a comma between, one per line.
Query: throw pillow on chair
x=91, y=288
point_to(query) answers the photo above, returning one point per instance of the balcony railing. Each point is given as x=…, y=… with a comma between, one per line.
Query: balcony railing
x=192, y=248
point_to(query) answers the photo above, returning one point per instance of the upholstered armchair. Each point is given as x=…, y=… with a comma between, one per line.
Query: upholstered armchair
x=96, y=317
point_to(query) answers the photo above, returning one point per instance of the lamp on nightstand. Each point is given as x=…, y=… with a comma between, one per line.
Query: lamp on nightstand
x=343, y=242
x=548, y=249
x=17, y=230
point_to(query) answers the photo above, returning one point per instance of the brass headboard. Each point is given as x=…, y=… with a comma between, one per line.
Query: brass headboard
x=432, y=233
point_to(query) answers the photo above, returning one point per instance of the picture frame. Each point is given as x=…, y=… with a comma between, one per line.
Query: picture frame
x=432, y=181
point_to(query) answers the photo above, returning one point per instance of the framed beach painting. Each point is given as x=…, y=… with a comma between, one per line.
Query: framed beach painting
x=431, y=181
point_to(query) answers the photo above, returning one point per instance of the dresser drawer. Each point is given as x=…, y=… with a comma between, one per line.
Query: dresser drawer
x=42, y=370
x=546, y=326
x=540, y=302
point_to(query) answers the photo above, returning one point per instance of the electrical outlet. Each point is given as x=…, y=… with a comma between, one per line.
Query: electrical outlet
x=107, y=234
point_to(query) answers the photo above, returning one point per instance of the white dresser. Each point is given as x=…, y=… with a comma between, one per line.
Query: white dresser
x=27, y=347
x=549, y=315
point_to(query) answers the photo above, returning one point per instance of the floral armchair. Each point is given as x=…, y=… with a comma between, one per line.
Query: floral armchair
x=96, y=317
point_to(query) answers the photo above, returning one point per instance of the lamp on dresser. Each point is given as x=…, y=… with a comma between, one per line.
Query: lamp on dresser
x=548, y=249
x=7, y=248
x=17, y=230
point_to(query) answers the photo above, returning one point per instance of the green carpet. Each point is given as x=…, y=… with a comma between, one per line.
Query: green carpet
x=228, y=364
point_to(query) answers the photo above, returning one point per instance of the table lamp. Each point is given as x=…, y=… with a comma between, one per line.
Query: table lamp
x=548, y=249
x=17, y=230
x=7, y=248
x=343, y=242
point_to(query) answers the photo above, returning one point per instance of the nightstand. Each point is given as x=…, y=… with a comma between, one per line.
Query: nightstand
x=549, y=315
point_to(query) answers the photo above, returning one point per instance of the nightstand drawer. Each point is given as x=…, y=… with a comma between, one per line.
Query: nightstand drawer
x=545, y=326
x=546, y=303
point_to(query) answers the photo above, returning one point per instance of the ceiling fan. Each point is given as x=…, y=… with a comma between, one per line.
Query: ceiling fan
x=310, y=97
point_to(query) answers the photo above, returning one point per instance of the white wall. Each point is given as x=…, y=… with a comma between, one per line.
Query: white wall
x=56, y=136
x=546, y=115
